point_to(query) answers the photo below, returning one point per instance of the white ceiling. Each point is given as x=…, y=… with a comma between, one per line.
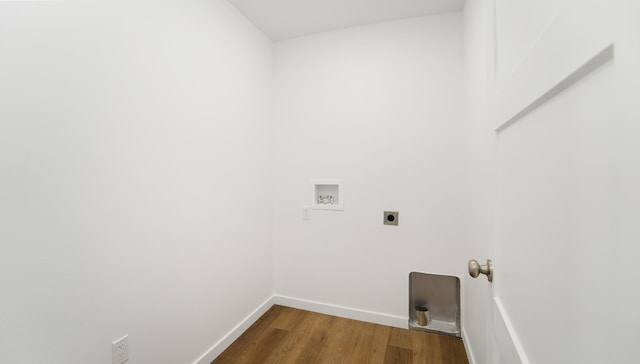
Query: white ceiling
x=282, y=19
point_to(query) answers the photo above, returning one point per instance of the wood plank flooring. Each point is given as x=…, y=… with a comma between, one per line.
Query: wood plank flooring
x=288, y=335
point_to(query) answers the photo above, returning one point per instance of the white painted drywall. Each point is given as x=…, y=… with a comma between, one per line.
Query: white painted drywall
x=378, y=107
x=135, y=179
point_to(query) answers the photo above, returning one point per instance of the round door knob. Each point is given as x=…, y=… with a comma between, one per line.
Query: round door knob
x=475, y=269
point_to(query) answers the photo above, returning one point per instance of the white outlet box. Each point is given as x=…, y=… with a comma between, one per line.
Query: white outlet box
x=327, y=194
x=120, y=350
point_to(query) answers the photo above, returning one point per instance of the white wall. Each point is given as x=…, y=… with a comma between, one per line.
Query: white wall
x=379, y=107
x=135, y=169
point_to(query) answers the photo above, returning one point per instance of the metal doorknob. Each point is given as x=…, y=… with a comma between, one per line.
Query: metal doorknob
x=475, y=269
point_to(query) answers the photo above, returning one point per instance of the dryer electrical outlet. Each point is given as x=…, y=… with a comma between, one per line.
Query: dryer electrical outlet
x=391, y=218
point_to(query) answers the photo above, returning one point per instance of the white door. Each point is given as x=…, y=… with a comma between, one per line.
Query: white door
x=567, y=162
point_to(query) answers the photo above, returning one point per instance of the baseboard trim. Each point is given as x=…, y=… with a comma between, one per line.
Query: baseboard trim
x=235, y=333
x=467, y=347
x=342, y=311
x=302, y=304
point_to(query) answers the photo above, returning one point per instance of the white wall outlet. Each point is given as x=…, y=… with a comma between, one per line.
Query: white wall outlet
x=120, y=350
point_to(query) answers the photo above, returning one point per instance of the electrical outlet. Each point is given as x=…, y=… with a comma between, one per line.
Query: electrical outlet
x=120, y=350
x=391, y=218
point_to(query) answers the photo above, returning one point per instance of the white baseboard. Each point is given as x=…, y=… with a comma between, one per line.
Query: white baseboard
x=342, y=311
x=314, y=306
x=467, y=347
x=234, y=334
